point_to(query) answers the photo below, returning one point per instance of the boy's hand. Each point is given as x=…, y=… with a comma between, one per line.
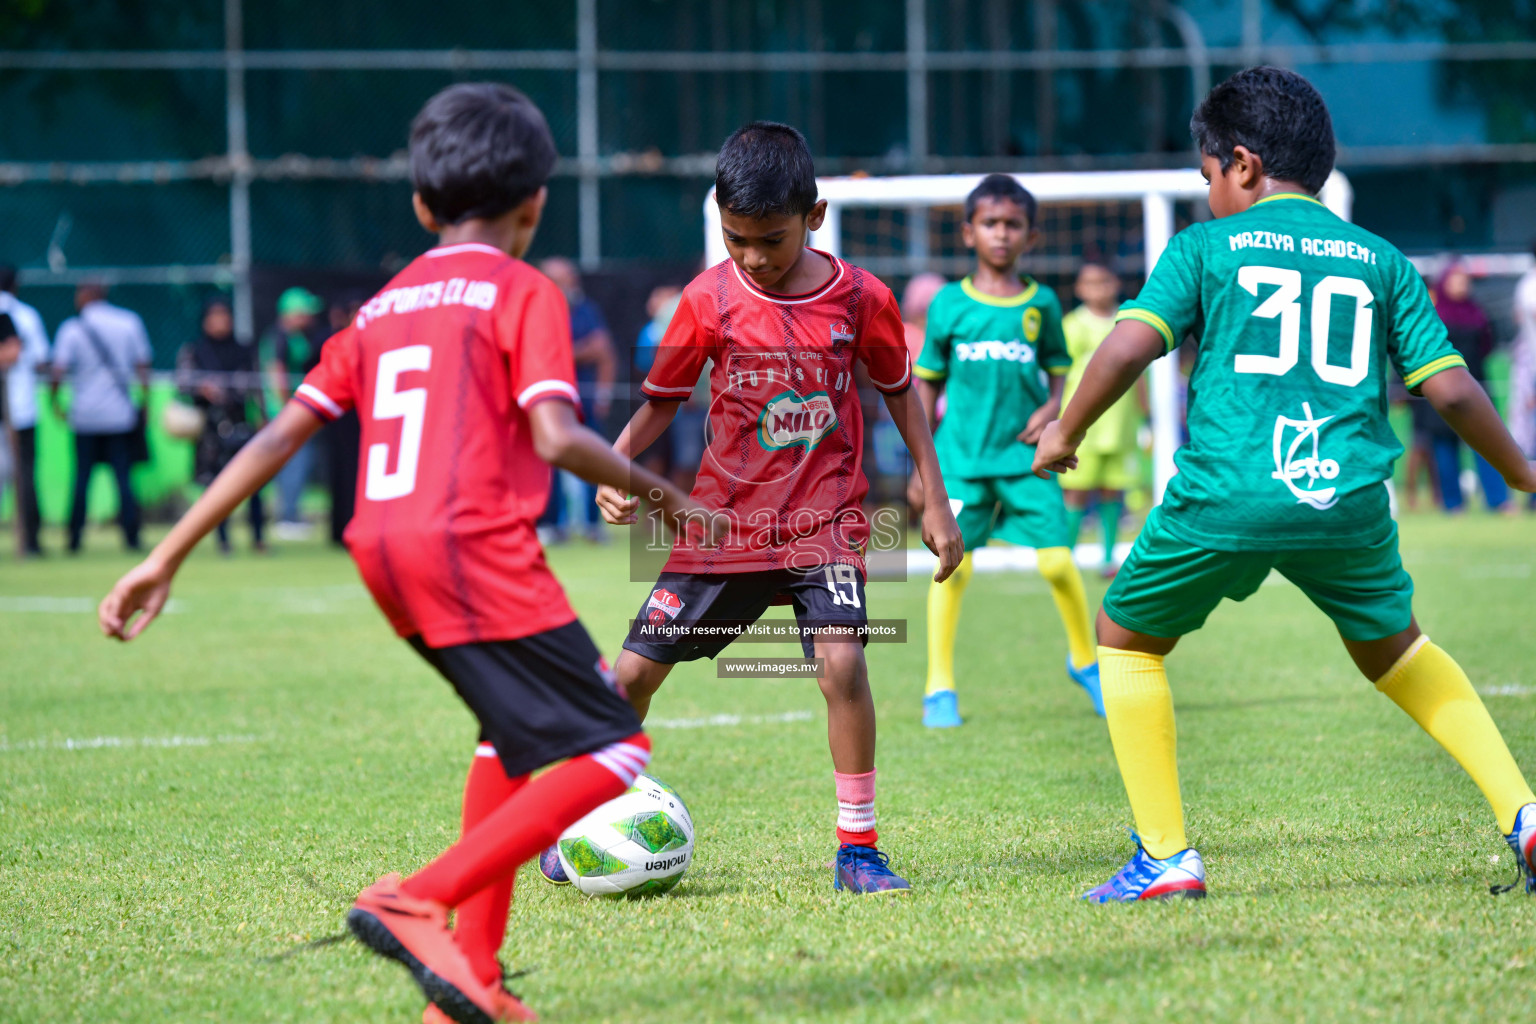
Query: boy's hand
x=1038, y=420
x=1055, y=452
x=144, y=588
x=942, y=536
x=915, y=493
x=618, y=509
x=1525, y=481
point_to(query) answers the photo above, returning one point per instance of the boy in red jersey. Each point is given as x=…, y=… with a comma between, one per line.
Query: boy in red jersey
x=462, y=375
x=783, y=325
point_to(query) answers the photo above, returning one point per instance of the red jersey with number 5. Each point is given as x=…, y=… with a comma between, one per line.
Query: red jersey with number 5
x=786, y=431
x=442, y=366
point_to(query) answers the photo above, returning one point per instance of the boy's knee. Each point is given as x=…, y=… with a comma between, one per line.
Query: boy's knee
x=843, y=673
x=639, y=676
x=1055, y=564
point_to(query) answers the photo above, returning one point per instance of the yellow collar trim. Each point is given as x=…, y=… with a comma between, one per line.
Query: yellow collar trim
x=1289, y=195
x=982, y=297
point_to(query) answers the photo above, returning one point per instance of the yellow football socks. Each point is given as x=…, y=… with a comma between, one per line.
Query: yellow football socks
x=1139, y=708
x=1429, y=685
x=943, y=622
x=1066, y=582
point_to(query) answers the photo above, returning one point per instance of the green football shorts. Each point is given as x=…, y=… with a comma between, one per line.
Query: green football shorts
x=1023, y=510
x=1168, y=586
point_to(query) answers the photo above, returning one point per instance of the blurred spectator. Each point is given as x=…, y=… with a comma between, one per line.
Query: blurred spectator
x=1421, y=450
x=916, y=297
x=596, y=369
x=1471, y=334
x=99, y=351
x=21, y=394
x=343, y=438
x=219, y=375
x=659, y=306
x=289, y=350
x=1522, y=370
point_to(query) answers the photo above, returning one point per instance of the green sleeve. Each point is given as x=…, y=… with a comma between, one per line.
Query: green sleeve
x=1170, y=300
x=1051, y=352
x=1416, y=337
x=933, y=362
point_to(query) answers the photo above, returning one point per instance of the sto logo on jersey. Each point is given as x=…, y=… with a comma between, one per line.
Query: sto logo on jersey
x=662, y=607
x=1293, y=462
x=789, y=420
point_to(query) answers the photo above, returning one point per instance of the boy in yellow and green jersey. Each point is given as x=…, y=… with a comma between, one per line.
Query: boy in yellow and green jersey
x=1108, y=463
x=1299, y=318
x=994, y=347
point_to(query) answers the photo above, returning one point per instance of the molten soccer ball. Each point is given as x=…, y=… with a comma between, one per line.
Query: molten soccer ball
x=637, y=845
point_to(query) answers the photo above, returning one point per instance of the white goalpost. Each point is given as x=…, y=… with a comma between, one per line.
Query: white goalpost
x=900, y=226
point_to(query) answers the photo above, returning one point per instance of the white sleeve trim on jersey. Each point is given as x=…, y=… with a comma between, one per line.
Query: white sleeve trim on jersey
x=320, y=398
x=906, y=375
x=538, y=388
x=648, y=386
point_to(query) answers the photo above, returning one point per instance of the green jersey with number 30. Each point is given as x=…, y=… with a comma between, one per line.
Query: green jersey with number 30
x=1298, y=316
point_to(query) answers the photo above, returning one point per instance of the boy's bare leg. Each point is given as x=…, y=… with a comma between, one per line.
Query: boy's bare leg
x=1427, y=683
x=640, y=678
x=850, y=707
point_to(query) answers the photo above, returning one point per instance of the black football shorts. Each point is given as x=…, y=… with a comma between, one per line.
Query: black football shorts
x=540, y=698
x=688, y=616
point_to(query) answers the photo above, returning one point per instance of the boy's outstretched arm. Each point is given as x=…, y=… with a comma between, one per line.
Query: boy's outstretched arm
x=1462, y=403
x=1114, y=369
x=562, y=441
x=928, y=393
x=146, y=586
x=940, y=531
x=617, y=504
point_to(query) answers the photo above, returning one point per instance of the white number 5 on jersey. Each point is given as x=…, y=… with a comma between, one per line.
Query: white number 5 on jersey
x=410, y=407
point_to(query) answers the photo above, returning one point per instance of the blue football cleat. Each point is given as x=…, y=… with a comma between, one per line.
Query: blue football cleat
x=866, y=869
x=550, y=866
x=941, y=710
x=1522, y=840
x=1088, y=678
x=1181, y=876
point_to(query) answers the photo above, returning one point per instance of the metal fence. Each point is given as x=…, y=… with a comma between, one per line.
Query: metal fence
x=924, y=87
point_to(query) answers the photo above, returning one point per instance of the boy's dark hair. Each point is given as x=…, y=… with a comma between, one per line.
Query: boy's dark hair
x=765, y=168
x=1275, y=113
x=477, y=150
x=1001, y=186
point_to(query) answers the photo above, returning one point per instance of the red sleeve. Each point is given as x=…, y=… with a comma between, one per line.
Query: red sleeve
x=883, y=348
x=680, y=357
x=534, y=329
x=330, y=389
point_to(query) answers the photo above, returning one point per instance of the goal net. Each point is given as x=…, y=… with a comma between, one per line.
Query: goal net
x=897, y=227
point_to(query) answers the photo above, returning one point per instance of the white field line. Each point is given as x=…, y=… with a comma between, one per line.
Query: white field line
x=117, y=742
x=725, y=721
x=66, y=605
x=1013, y=559
x=1508, y=690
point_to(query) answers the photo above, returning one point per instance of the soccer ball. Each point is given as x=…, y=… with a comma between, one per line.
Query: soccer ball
x=636, y=845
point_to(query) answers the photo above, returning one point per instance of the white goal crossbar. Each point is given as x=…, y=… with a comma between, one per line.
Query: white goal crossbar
x=1157, y=191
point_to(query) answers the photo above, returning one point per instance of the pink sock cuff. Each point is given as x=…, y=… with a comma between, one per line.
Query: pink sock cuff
x=855, y=789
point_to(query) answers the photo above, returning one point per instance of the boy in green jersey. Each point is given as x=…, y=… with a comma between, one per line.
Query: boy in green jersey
x=1300, y=317
x=994, y=346
x=1107, y=462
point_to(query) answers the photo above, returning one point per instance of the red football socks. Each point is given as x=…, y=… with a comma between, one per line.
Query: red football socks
x=481, y=922
x=529, y=821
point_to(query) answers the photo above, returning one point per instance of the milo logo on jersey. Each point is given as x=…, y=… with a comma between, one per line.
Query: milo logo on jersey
x=788, y=420
x=1295, y=460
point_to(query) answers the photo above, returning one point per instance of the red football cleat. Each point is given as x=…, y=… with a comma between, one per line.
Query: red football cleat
x=415, y=933
x=508, y=1006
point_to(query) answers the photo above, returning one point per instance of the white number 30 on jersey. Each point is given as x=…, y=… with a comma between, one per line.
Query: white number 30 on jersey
x=1282, y=304
x=410, y=407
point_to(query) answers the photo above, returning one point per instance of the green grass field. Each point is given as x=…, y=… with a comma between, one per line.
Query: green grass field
x=176, y=813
